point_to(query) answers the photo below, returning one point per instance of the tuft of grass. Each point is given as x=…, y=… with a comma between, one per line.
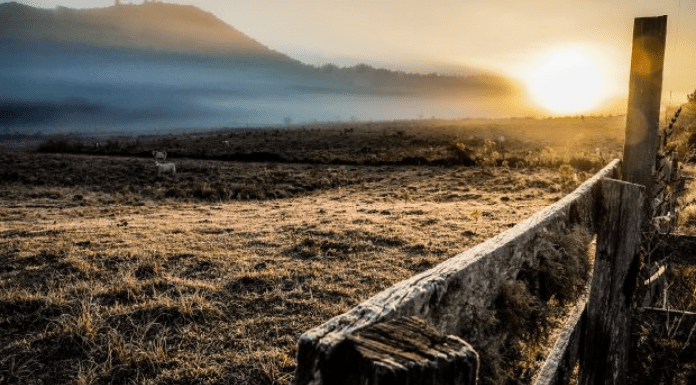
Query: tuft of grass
x=569, y=179
x=512, y=337
x=563, y=267
x=687, y=216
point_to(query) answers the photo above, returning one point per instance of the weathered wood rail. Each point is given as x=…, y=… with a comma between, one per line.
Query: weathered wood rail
x=376, y=342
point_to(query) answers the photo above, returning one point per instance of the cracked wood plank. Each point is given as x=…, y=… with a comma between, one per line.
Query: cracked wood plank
x=402, y=351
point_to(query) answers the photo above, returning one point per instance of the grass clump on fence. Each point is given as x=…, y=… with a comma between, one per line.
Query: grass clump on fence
x=511, y=337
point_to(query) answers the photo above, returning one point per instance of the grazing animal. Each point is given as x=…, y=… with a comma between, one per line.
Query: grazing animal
x=165, y=167
x=226, y=143
x=159, y=155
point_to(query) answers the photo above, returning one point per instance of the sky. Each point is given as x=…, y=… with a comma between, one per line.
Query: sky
x=510, y=37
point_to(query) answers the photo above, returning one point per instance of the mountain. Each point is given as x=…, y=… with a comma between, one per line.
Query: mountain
x=157, y=65
x=150, y=27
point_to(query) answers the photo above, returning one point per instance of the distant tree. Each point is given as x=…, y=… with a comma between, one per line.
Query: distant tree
x=363, y=68
x=329, y=68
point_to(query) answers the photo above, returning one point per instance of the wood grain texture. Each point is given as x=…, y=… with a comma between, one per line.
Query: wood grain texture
x=644, y=94
x=606, y=337
x=399, y=352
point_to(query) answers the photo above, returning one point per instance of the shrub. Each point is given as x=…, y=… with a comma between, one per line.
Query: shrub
x=175, y=192
x=462, y=154
x=568, y=177
x=60, y=145
x=585, y=164
x=563, y=265
x=203, y=190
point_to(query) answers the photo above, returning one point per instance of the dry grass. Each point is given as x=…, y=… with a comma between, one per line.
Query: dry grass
x=663, y=347
x=514, y=337
x=114, y=288
x=683, y=138
x=109, y=274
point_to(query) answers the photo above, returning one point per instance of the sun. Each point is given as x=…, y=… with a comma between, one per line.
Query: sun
x=568, y=81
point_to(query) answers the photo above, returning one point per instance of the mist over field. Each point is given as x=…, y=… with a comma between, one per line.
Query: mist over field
x=154, y=66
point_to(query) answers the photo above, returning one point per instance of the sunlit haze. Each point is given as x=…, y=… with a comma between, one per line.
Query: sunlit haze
x=572, y=57
x=569, y=80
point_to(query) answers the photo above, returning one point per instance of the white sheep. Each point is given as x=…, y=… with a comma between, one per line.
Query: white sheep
x=165, y=167
x=226, y=143
x=159, y=155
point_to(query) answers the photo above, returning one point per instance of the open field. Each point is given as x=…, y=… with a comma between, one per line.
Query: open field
x=109, y=274
x=184, y=292
x=582, y=142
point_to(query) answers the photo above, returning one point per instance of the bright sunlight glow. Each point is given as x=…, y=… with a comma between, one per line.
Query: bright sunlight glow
x=568, y=81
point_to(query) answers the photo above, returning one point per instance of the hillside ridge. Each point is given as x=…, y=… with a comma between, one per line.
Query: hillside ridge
x=166, y=28
x=160, y=27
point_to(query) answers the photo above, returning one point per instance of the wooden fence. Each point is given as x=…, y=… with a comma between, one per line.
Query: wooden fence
x=411, y=332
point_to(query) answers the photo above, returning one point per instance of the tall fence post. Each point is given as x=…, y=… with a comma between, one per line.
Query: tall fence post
x=604, y=359
x=643, y=115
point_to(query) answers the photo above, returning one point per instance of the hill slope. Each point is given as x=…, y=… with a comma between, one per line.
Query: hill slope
x=157, y=27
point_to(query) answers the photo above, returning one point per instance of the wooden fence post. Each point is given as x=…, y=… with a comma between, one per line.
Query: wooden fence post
x=643, y=115
x=604, y=359
x=405, y=350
